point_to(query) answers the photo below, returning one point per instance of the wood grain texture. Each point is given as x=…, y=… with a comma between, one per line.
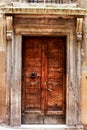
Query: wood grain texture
x=43, y=94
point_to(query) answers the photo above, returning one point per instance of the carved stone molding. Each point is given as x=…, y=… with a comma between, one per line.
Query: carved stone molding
x=9, y=35
x=79, y=29
x=9, y=27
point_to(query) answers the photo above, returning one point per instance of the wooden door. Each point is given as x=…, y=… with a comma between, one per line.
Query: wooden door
x=43, y=80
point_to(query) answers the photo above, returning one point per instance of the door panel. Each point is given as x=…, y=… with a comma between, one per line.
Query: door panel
x=55, y=77
x=43, y=80
x=31, y=67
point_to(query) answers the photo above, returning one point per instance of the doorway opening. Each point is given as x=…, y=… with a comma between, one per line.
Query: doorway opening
x=43, y=80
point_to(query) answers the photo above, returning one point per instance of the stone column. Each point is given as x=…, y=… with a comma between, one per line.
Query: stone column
x=79, y=43
x=9, y=32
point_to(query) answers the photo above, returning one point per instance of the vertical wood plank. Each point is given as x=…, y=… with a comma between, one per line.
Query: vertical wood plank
x=43, y=78
x=46, y=72
x=64, y=73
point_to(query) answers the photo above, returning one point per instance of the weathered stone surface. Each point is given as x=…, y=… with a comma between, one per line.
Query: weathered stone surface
x=63, y=11
x=2, y=75
x=42, y=127
x=1, y=30
x=81, y=3
x=2, y=97
x=2, y=61
x=84, y=97
x=43, y=21
x=44, y=10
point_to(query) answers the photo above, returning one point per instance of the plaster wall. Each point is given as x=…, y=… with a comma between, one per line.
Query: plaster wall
x=84, y=74
x=2, y=75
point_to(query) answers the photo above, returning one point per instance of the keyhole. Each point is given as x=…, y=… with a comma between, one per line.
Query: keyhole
x=33, y=75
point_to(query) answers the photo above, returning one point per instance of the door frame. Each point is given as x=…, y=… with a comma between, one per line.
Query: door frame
x=14, y=64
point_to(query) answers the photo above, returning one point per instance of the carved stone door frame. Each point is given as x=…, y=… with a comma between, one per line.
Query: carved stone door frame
x=14, y=64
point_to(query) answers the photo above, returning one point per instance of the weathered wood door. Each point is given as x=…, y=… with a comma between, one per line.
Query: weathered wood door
x=43, y=80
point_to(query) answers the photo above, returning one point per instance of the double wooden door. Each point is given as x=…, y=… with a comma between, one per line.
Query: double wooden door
x=43, y=80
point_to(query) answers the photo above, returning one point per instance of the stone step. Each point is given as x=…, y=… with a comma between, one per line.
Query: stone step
x=42, y=127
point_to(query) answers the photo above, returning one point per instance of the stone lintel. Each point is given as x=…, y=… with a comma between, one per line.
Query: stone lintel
x=44, y=10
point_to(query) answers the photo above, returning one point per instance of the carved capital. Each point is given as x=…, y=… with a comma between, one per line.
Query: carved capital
x=79, y=29
x=79, y=36
x=9, y=35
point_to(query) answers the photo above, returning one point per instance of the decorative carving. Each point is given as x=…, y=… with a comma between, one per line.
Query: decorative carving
x=79, y=28
x=9, y=27
x=9, y=35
